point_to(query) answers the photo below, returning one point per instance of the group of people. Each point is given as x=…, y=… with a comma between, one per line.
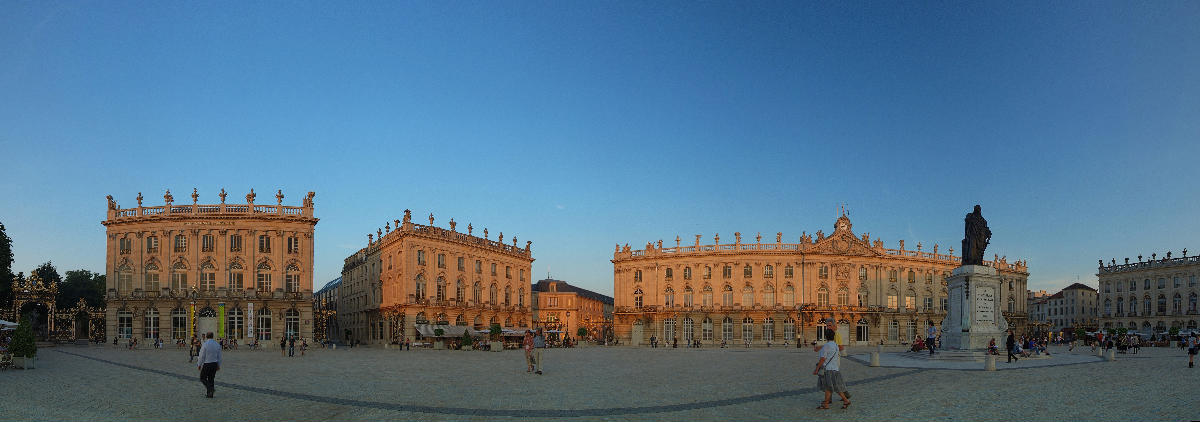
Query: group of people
x=533, y=343
x=287, y=345
x=1019, y=347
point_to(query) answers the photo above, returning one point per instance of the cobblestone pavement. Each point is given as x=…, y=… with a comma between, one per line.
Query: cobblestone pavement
x=103, y=383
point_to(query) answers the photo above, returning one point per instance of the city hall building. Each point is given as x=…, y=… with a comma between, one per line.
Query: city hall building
x=755, y=292
x=1152, y=296
x=241, y=271
x=418, y=276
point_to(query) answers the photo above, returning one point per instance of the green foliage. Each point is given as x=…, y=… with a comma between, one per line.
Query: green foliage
x=1112, y=331
x=1174, y=331
x=581, y=332
x=467, y=340
x=495, y=331
x=6, y=274
x=23, y=341
x=81, y=284
x=1080, y=333
x=438, y=332
x=1122, y=331
x=48, y=273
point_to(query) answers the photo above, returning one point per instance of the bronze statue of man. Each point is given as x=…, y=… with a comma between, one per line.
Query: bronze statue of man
x=976, y=238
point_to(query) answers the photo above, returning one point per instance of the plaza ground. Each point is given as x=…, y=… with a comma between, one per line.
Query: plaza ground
x=594, y=383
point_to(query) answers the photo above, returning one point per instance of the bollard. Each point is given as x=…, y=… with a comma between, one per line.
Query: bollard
x=990, y=363
x=874, y=359
x=1112, y=355
x=1100, y=352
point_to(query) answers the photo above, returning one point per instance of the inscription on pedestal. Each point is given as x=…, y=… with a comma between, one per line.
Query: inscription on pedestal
x=985, y=304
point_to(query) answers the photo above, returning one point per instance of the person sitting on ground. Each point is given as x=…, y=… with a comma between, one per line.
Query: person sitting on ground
x=992, y=349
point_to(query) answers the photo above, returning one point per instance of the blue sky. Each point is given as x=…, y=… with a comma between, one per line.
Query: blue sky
x=581, y=125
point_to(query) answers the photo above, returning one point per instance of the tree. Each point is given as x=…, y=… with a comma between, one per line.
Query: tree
x=581, y=332
x=6, y=274
x=495, y=331
x=22, y=340
x=48, y=273
x=467, y=340
x=81, y=284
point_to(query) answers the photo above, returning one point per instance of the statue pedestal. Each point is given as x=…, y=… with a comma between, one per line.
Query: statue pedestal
x=974, y=316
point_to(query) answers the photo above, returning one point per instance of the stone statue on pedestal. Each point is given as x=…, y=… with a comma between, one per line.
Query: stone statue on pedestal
x=976, y=238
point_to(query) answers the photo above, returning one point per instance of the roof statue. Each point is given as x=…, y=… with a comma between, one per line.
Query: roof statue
x=976, y=238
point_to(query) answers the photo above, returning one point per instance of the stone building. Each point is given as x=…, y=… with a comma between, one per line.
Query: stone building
x=425, y=275
x=242, y=271
x=1152, y=296
x=325, y=326
x=560, y=306
x=1072, y=308
x=756, y=292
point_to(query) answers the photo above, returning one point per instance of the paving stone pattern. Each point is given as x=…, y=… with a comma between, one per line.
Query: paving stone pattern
x=105, y=383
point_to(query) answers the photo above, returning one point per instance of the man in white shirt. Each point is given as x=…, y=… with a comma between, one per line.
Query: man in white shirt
x=829, y=378
x=209, y=362
x=931, y=337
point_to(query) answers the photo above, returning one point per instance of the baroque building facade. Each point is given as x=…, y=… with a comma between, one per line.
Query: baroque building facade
x=1150, y=297
x=560, y=306
x=753, y=293
x=241, y=271
x=420, y=275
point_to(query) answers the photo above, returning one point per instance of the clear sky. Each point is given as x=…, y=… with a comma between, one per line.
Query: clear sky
x=579, y=125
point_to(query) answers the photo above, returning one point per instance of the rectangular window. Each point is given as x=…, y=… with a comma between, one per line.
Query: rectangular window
x=507, y=272
x=235, y=281
x=292, y=282
x=178, y=325
x=461, y=265
x=891, y=301
x=152, y=244
x=945, y=304
x=124, y=282
x=150, y=330
x=151, y=282
x=293, y=245
x=178, y=280
x=441, y=260
x=125, y=325
x=493, y=268
x=522, y=275
x=928, y=303
x=420, y=257
x=264, y=244
x=264, y=282
x=235, y=243
x=207, y=243
x=208, y=281
x=478, y=267
x=727, y=272
x=180, y=244
x=126, y=245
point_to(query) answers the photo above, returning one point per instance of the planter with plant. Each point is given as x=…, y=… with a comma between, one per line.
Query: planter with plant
x=581, y=335
x=23, y=347
x=467, y=341
x=439, y=343
x=494, y=333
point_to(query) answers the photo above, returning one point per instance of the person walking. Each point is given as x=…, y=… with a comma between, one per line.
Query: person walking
x=283, y=346
x=1193, y=344
x=209, y=363
x=527, y=345
x=1011, y=344
x=539, y=343
x=829, y=376
x=930, y=337
x=292, y=346
x=193, y=349
x=303, y=346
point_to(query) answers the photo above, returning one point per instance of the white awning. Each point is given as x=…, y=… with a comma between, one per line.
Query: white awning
x=6, y=325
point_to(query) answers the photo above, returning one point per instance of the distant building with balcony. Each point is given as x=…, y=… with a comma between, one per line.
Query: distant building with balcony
x=755, y=292
x=421, y=275
x=1150, y=297
x=560, y=306
x=241, y=271
x=325, y=326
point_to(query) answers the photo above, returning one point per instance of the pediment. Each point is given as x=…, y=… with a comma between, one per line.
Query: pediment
x=844, y=242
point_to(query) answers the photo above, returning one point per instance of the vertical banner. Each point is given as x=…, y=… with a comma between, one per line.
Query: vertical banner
x=191, y=320
x=250, y=320
x=221, y=320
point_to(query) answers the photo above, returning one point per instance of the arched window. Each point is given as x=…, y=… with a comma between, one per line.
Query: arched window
x=637, y=298
x=768, y=329
x=1012, y=305
x=179, y=276
x=150, y=328
x=843, y=297
x=747, y=272
x=727, y=330
x=707, y=329
x=493, y=294
x=1132, y=306
x=1162, y=304
x=822, y=296
x=727, y=295
x=179, y=324
x=460, y=290
x=668, y=329
x=747, y=330
x=508, y=322
x=687, y=273
x=1192, y=302
x=769, y=295
x=910, y=299
x=521, y=297
x=1177, y=304
x=862, y=331
x=150, y=278
x=687, y=296
x=507, y=295
x=236, y=279
x=440, y=294
x=263, y=277
x=821, y=326
x=747, y=295
x=707, y=296
x=460, y=320
x=789, y=296
x=891, y=299
x=688, y=330
x=669, y=297
x=262, y=324
x=768, y=271
x=1107, y=307
x=1120, y=306
x=862, y=273
x=235, y=321
x=292, y=278
x=478, y=322
x=789, y=330
x=291, y=323
x=208, y=276
x=477, y=293
x=421, y=318
x=419, y=287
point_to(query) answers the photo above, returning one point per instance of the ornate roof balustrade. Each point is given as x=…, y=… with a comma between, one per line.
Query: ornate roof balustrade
x=195, y=209
x=1151, y=264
